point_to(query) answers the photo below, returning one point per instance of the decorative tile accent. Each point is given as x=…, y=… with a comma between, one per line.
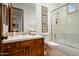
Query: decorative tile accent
x=11, y=33
x=44, y=19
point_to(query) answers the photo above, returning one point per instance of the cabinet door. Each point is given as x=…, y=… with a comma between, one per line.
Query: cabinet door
x=38, y=52
x=26, y=44
x=41, y=42
x=38, y=47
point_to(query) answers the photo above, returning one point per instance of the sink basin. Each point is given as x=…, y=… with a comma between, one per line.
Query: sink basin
x=20, y=38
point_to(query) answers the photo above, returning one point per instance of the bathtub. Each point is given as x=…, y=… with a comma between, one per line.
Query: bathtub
x=66, y=49
x=68, y=43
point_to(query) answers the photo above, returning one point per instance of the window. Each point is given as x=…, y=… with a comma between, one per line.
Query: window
x=72, y=8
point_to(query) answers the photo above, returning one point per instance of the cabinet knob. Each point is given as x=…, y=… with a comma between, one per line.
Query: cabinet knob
x=8, y=47
x=30, y=49
x=24, y=50
x=17, y=45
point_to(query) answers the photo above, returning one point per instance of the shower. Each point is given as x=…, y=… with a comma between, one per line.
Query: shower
x=65, y=25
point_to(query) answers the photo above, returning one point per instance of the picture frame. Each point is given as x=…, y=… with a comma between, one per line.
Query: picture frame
x=44, y=10
x=44, y=19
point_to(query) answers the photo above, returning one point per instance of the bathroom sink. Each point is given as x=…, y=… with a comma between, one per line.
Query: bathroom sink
x=20, y=38
x=17, y=38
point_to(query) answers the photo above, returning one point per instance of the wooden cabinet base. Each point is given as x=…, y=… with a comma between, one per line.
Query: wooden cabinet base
x=33, y=47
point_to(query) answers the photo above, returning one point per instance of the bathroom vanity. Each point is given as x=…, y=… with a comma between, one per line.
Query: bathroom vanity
x=27, y=45
x=11, y=20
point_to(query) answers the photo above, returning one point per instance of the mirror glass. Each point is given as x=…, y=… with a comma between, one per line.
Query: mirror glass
x=17, y=17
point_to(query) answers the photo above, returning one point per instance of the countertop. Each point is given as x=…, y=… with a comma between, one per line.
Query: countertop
x=21, y=38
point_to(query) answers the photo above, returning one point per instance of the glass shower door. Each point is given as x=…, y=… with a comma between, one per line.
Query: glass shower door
x=58, y=25
x=65, y=28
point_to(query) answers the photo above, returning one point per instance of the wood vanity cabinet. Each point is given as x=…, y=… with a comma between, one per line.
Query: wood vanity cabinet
x=0, y=49
x=33, y=47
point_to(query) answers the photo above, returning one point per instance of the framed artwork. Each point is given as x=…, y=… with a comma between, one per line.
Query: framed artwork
x=72, y=8
x=44, y=19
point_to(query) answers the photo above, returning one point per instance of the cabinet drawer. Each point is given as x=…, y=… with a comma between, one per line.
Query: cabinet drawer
x=10, y=47
x=25, y=44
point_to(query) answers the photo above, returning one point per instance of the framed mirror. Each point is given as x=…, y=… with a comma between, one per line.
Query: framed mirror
x=19, y=17
x=12, y=19
x=16, y=19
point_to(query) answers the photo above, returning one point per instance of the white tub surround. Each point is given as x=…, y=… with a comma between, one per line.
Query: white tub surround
x=52, y=44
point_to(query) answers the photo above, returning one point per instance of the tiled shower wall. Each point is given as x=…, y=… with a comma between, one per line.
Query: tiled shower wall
x=67, y=29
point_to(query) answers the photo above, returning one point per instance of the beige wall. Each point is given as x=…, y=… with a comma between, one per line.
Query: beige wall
x=29, y=14
x=39, y=25
x=34, y=17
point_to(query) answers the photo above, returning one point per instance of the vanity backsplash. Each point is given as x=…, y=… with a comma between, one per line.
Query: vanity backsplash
x=12, y=33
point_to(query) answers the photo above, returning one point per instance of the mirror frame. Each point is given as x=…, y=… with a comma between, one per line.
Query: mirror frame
x=11, y=20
